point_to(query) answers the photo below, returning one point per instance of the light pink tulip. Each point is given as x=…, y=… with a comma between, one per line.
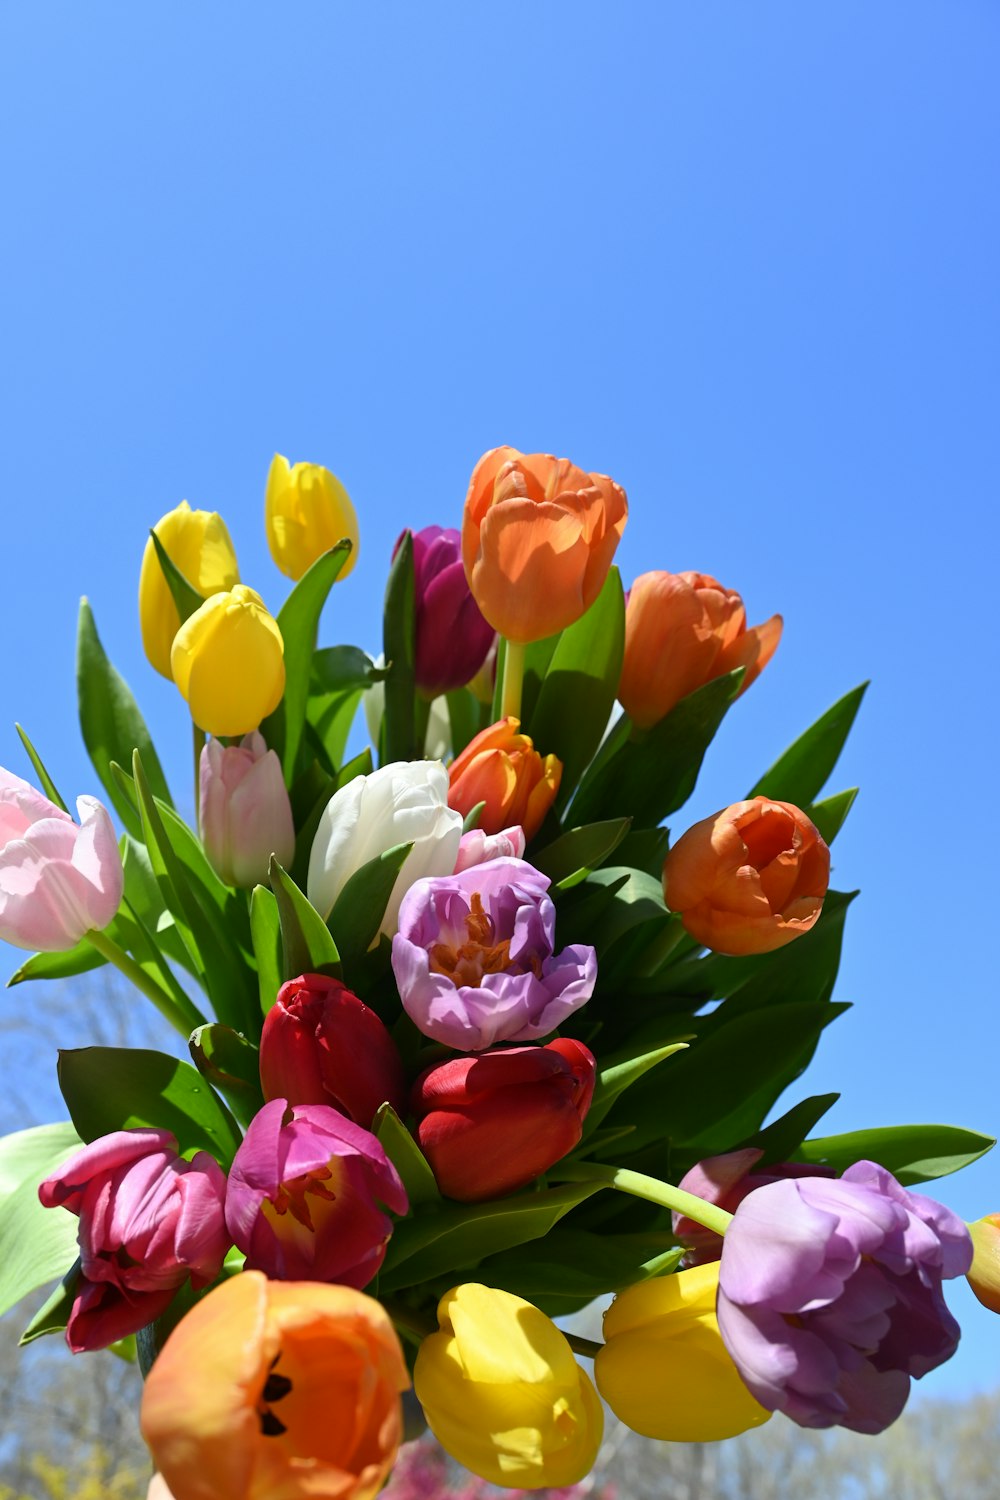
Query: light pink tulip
x=477, y=847
x=245, y=812
x=58, y=879
x=148, y=1220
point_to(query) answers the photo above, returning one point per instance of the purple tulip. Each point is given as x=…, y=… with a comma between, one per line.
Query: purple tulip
x=452, y=638
x=302, y=1196
x=148, y=1219
x=474, y=962
x=830, y=1295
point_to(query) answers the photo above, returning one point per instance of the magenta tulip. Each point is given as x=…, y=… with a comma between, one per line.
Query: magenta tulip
x=244, y=810
x=303, y=1196
x=452, y=638
x=58, y=879
x=726, y=1180
x=148, y=1220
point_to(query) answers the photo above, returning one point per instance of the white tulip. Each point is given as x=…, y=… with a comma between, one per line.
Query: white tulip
x=405, y=802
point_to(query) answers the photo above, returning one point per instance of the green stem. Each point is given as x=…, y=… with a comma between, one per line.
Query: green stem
x=198, y=739
x=421, y=716
x=650, y=1188
x=587, y=1347
x=185, y=1018
x=513, y=680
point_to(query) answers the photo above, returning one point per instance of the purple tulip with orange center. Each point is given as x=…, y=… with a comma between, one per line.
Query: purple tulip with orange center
x=474, y=958
x=304, y=1194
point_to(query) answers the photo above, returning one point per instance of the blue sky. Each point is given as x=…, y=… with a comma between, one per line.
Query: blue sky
x=742, y=258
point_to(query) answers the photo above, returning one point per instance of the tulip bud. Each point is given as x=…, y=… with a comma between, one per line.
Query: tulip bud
x=322, y=1045
x=477, y=847
x=244, y=811
x=502, y=769
x=303, y=1196
x=228, y=662
x=307, y=511
x=538, y=537
x=750, y=878
x=503, y=1394
x=148, y=1220
x=58, y=879
x=198, y=545
x=491, y=1124
x=452, y=638
x=664, y=1369
x=401, y=803
x=984, y=1274
x=681, y=631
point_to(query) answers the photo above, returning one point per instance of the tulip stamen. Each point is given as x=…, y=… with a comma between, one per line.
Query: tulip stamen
x=270, y=1425
x=467, y=963
x=291, y=1196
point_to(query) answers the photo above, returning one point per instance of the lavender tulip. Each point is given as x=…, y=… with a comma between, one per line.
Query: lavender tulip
x=474, y=961
x=452, y=638
x=830, y=1295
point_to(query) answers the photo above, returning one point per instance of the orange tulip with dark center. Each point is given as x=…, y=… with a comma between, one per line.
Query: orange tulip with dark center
x=538, y=538
x=273, y=1390
x=681, y=631
x=502, y=769
x=749, y=879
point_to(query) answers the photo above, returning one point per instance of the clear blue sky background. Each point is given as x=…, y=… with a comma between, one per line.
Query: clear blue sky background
x=742, y=257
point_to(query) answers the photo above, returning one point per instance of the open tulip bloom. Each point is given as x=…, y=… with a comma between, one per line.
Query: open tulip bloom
x=435, y=1008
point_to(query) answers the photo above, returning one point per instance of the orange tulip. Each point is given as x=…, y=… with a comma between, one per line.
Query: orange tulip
x=275, y=1390
x=538, y=537
x=749, y=879
x=984, y=1274
x=681, y=630
x=503, y=769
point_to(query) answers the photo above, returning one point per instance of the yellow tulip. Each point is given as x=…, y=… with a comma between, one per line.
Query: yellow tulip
x=664, y=1369
x=503, y=1394
x=984, y=1273
x=307, y=511
x=198, y=545
x=228, y=662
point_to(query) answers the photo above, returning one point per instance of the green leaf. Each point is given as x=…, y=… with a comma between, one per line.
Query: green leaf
x=340, y=674
x=127, y=1088
x=537, y=656
x=406, y=1156
x=265, y=926
x=48, y=785
x=398, y=733
x=306, y=944
x=464, y=716
x=782, y=1137
x=912, y=1153
x=298, y=621
x=577, y=1265
x=361, y=765
x=112, y=725
x=830, y=814
x=577, y=694
x=471, y=819
x=800, y=774
x=617, y=1073
x=648, y=774
x=185, y=596
x=77, y=960
x=575, y=853
x=462, y=1235
x=359, y=909
x=54, y=1313
x=36, y=1243
x=231, y=1064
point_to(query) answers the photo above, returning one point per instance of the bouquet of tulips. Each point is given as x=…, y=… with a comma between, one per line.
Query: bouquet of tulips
x=474, y=1039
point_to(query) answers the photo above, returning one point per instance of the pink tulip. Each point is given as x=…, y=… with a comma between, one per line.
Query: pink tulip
x=477, y=847
x=245, y=812
x=148, y=1220
x=303, y=1195
x=58, y=879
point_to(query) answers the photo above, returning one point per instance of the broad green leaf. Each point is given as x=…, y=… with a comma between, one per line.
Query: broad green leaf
x=48, y=785
x=437, y=1241
x=578, y=851
x=185, y=596
x=36, y=1244
x=800, y=774
x=265, y=926
x=77, y=960
x=112, y=725
x=231, y=1064
x=464, y=718
x=145, y=898
x=339, y=676
x=784, y=1136
x=648, y=774
x=577, y=694
x=830, y=814
x=359, y=909
x=361, y=765
x=306, y=944
x=637, y=898
x=577, y=1265
x=398, y=733
x=298, y=621
x=617, y=1073
x=406, y=1156
x=912, y=1153
x=54, y=1313
x=127, y=1088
